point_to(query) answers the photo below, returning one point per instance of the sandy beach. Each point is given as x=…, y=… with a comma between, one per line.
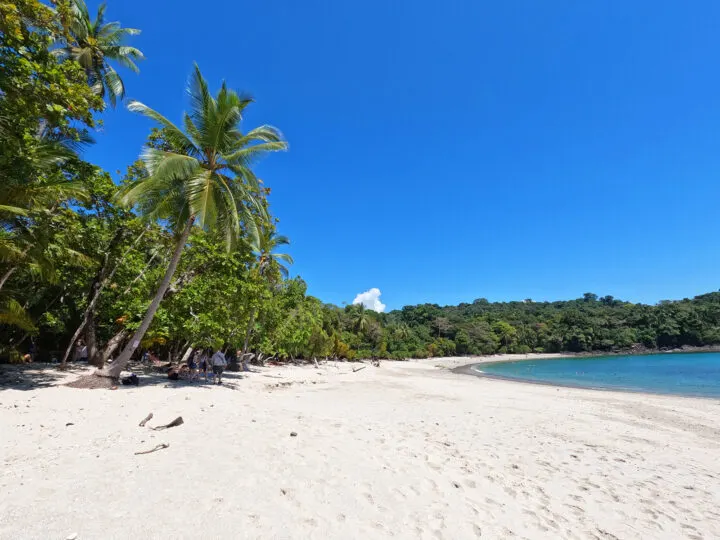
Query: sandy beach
x=406, y=450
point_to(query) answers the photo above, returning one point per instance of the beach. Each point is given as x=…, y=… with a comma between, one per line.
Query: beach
x=404, y=450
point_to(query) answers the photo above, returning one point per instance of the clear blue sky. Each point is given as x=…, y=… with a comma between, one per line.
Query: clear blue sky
x=447, y=151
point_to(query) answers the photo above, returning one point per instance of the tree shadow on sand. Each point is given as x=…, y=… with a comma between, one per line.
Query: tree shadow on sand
x=35, y=375
x=40, y=375
x=230, y=380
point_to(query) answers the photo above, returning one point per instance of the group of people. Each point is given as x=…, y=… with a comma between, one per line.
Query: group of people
x=208, y=363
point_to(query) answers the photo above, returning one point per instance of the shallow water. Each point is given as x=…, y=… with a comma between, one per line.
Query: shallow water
x=690, y=374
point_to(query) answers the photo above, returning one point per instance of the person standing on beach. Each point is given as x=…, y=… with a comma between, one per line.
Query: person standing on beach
x=193, y=366
x=218, y=362
x=203, y=363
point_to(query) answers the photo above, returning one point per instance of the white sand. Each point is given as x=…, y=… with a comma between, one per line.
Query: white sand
x=407, y=450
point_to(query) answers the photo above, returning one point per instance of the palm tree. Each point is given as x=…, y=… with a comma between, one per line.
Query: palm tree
x=38, y=250
x=21, y=239
x=18, y=197
x=360, y=318
x=268, y=242
x=267, y=259
x=94, y=43
x=204, y=179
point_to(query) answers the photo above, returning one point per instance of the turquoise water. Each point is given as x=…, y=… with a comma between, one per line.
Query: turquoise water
x=690, y=374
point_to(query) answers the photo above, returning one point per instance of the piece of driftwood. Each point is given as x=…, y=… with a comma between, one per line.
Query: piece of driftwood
x=158, y=447
x=177, y=422
x=145, y=420
x=359, y=369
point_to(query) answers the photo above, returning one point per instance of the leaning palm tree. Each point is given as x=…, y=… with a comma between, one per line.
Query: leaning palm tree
x=93, y=43
x=204, y=179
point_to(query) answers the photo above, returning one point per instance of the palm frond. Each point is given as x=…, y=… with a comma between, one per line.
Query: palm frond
x=12, y=313
x=202, y=197
x=114, y=85
x=284, y=257
x=172, y=133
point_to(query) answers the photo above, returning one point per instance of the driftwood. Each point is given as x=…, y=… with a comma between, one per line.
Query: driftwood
x=359, y=369
x=177, y=422
x=158, y=447
x=145, y=420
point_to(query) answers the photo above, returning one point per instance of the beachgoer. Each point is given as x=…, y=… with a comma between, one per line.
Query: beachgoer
x=203, y=363
x=218, y=365
x=193, y=365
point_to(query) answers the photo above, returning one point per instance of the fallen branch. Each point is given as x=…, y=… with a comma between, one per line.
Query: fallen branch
x=177, y=422
x=146, y=419
x=158, y=447
x=359, y=369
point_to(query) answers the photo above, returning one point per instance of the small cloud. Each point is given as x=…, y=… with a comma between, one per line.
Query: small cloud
x=371, y=300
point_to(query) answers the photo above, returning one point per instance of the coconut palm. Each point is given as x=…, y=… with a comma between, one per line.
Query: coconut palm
x=204, y=178
x=268, y=241
x=38, y=250
x=19, y=197
x=94, y=43
x=22, y=200
x=267, y=258
x=360, y=318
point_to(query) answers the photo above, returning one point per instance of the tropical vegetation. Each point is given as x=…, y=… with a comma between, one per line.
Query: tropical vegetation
x=184, y=251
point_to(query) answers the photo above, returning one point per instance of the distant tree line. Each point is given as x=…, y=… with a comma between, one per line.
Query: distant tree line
x=588, y=324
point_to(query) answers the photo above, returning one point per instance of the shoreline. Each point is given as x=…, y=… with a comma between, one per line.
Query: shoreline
x=468, y=369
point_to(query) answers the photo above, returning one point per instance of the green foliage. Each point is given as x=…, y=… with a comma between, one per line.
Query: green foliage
x=91, y=43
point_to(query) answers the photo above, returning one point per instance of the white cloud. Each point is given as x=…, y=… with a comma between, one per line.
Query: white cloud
x=371, y=300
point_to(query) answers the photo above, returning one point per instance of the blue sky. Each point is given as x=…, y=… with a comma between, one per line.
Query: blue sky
x=447, y=151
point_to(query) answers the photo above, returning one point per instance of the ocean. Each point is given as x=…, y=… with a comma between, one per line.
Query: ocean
x=688, y=374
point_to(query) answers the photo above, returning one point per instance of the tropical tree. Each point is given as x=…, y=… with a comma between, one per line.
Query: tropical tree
x=268, y=259
x=268, y=262
x=93, y=43
x=203, y=178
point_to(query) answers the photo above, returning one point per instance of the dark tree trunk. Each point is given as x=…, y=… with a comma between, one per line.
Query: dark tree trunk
x=91, y=340
x=7, y=275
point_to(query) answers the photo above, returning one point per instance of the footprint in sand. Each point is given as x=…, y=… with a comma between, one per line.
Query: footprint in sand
x=576, y=509
x=399, y=493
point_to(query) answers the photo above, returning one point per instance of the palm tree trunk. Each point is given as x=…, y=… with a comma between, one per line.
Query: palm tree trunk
x=12, y=269
x=112, y=344
x=186, y=355
x=7, y=275
x=124, y=359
